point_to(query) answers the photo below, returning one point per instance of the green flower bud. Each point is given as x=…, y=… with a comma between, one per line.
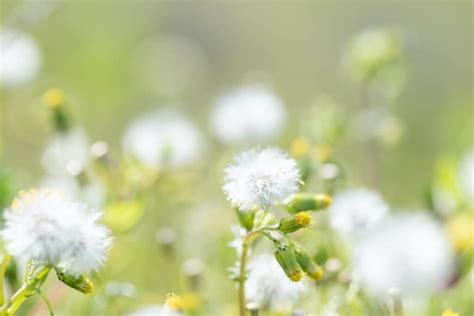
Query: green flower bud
x=308, y=202
x=80, y=282
x=295, y=222
x=246, y=218
x=313, y=270
x=54, y=99
x=287, y=260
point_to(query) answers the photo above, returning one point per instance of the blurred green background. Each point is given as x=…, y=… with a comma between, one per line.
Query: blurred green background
x=117, y=59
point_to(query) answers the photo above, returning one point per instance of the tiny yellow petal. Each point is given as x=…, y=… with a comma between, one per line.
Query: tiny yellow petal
x=53, y=98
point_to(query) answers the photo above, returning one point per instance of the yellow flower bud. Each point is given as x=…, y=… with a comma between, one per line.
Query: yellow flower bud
x=287, y=260
x=53, y=98
x=296, y=222
x=308, y=202
x=299, y=147
x=460, y=231
x=80, y=283
x=313, y=270
x=449, y=312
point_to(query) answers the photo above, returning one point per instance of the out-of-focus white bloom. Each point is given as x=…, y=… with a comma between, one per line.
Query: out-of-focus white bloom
x=93, y=193
x=155, y=310
x=370, y=51
x=267, y=285
x=378, y=124
x=407, y=254
x=261, y=178
x=67, y=153
x=20, y=58
x=251, y=114
x=163, y=138
x=466, y=175
x=46, y=226
x=355, y=211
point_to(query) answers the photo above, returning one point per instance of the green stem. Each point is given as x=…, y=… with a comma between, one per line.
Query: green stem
x=3, y=268
x=24, y=292
x=246, y=243
x=45, y=299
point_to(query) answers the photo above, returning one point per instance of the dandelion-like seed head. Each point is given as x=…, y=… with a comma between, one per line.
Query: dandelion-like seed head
x=21, y=58
x=163, y=138
x=67, y=153
x=355, y=211
x=47, y=227
x=248, y=115
x=261, y=178
x=407, y=253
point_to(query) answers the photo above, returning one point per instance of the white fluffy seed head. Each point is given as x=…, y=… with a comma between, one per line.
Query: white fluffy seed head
x=406, y=254
x=251, y=114
x=261, y=178
x=163, y=138
x=267, y=285
x=20, y=58
x=353, y=212
x=46, y=226
x=67, y=153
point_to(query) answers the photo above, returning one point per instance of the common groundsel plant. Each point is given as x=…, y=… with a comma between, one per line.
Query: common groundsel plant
x=257, y=183
x=46, y=231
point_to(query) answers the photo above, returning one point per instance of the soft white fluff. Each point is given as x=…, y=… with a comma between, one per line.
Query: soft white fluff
x=47, y=227
x=261, y=178
x=267, y=286
x=406, y=254
x=163, y=138
x=20, y=58
x=248, y=115
x=355, y=211
x=67, y=153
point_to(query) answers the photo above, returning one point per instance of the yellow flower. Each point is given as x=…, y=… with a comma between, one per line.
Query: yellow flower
x=449, y=312
x=322, y=152
x=299, y=147
x=461, y=232
x=186, y=302
x=53, y=98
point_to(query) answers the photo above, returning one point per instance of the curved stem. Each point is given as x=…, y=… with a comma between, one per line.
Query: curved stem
x=24, y=292
x=45, y=299
x=247, y=241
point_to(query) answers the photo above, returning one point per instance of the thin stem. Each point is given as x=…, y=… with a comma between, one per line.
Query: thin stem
x=247, y=241
x=3, y=268
x=243, y=263
x=24, y=292
x=45, y=299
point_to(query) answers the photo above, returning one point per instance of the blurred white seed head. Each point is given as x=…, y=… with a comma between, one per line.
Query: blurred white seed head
x=267, y=286
x=20, y=58
x=163, y=138
x=47, y=227
x=409, y=254
x=250, y=114
x=67, y=153
x=466, y=176
x=261, y=178
x=370, y=51
x=93, y=193
x=353, y=212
